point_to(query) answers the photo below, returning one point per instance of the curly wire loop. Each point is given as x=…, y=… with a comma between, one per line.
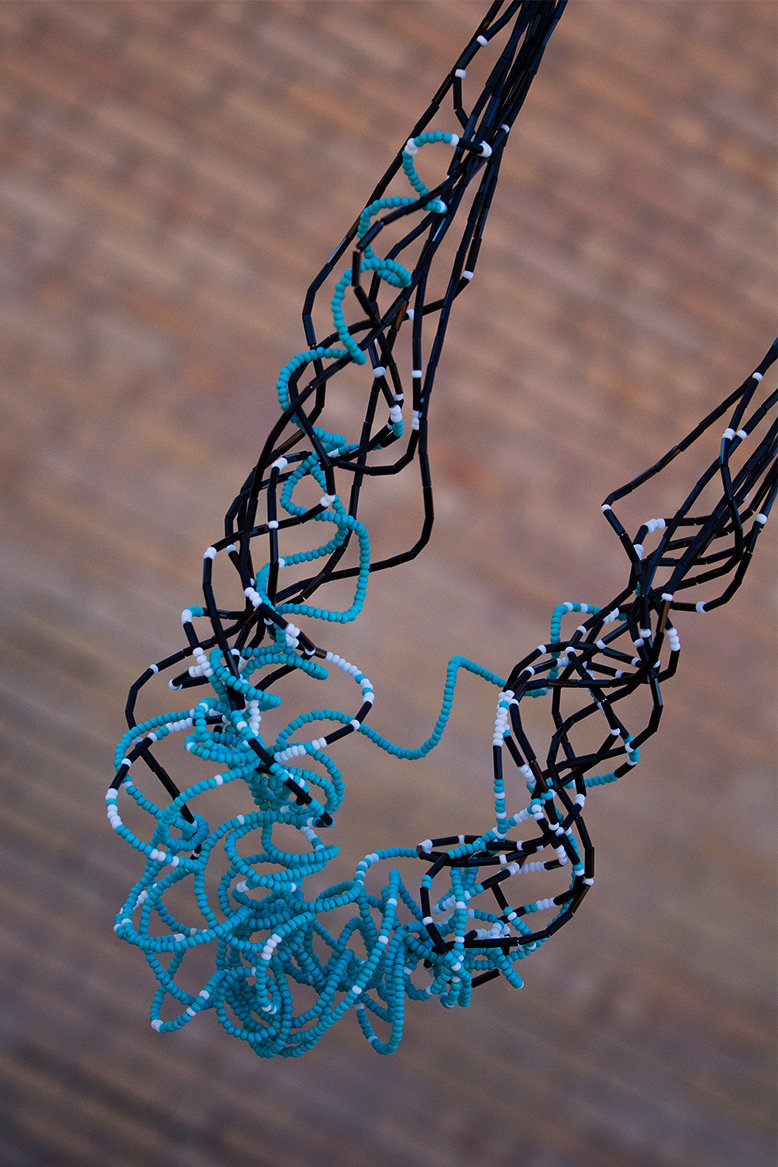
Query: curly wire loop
x=286, y=966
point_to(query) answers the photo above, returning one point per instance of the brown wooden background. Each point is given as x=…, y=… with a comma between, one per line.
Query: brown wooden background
x=172, y=176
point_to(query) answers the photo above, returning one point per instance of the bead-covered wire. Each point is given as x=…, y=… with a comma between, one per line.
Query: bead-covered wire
x=286, y=966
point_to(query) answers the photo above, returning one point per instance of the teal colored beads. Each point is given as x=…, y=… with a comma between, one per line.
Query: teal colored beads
x=241, y=858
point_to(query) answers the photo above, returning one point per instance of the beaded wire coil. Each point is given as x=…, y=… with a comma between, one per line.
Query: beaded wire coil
x=283, y=971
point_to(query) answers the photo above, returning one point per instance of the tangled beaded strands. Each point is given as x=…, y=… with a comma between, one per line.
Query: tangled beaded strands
x=286, y=967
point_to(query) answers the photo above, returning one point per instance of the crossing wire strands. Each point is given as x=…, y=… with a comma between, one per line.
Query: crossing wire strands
x=286, y=968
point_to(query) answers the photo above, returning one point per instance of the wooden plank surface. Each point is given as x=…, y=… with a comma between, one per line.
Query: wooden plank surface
x=173, y=174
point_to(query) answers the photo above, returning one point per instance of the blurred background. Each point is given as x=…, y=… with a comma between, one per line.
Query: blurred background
x=173, y=175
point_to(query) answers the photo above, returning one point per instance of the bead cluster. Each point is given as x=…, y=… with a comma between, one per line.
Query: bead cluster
x=293, y=951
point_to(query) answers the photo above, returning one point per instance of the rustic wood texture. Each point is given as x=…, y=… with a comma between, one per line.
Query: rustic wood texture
x=172, y=176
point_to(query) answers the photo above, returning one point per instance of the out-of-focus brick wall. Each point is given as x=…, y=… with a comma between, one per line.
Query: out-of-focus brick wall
x=172, y=175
